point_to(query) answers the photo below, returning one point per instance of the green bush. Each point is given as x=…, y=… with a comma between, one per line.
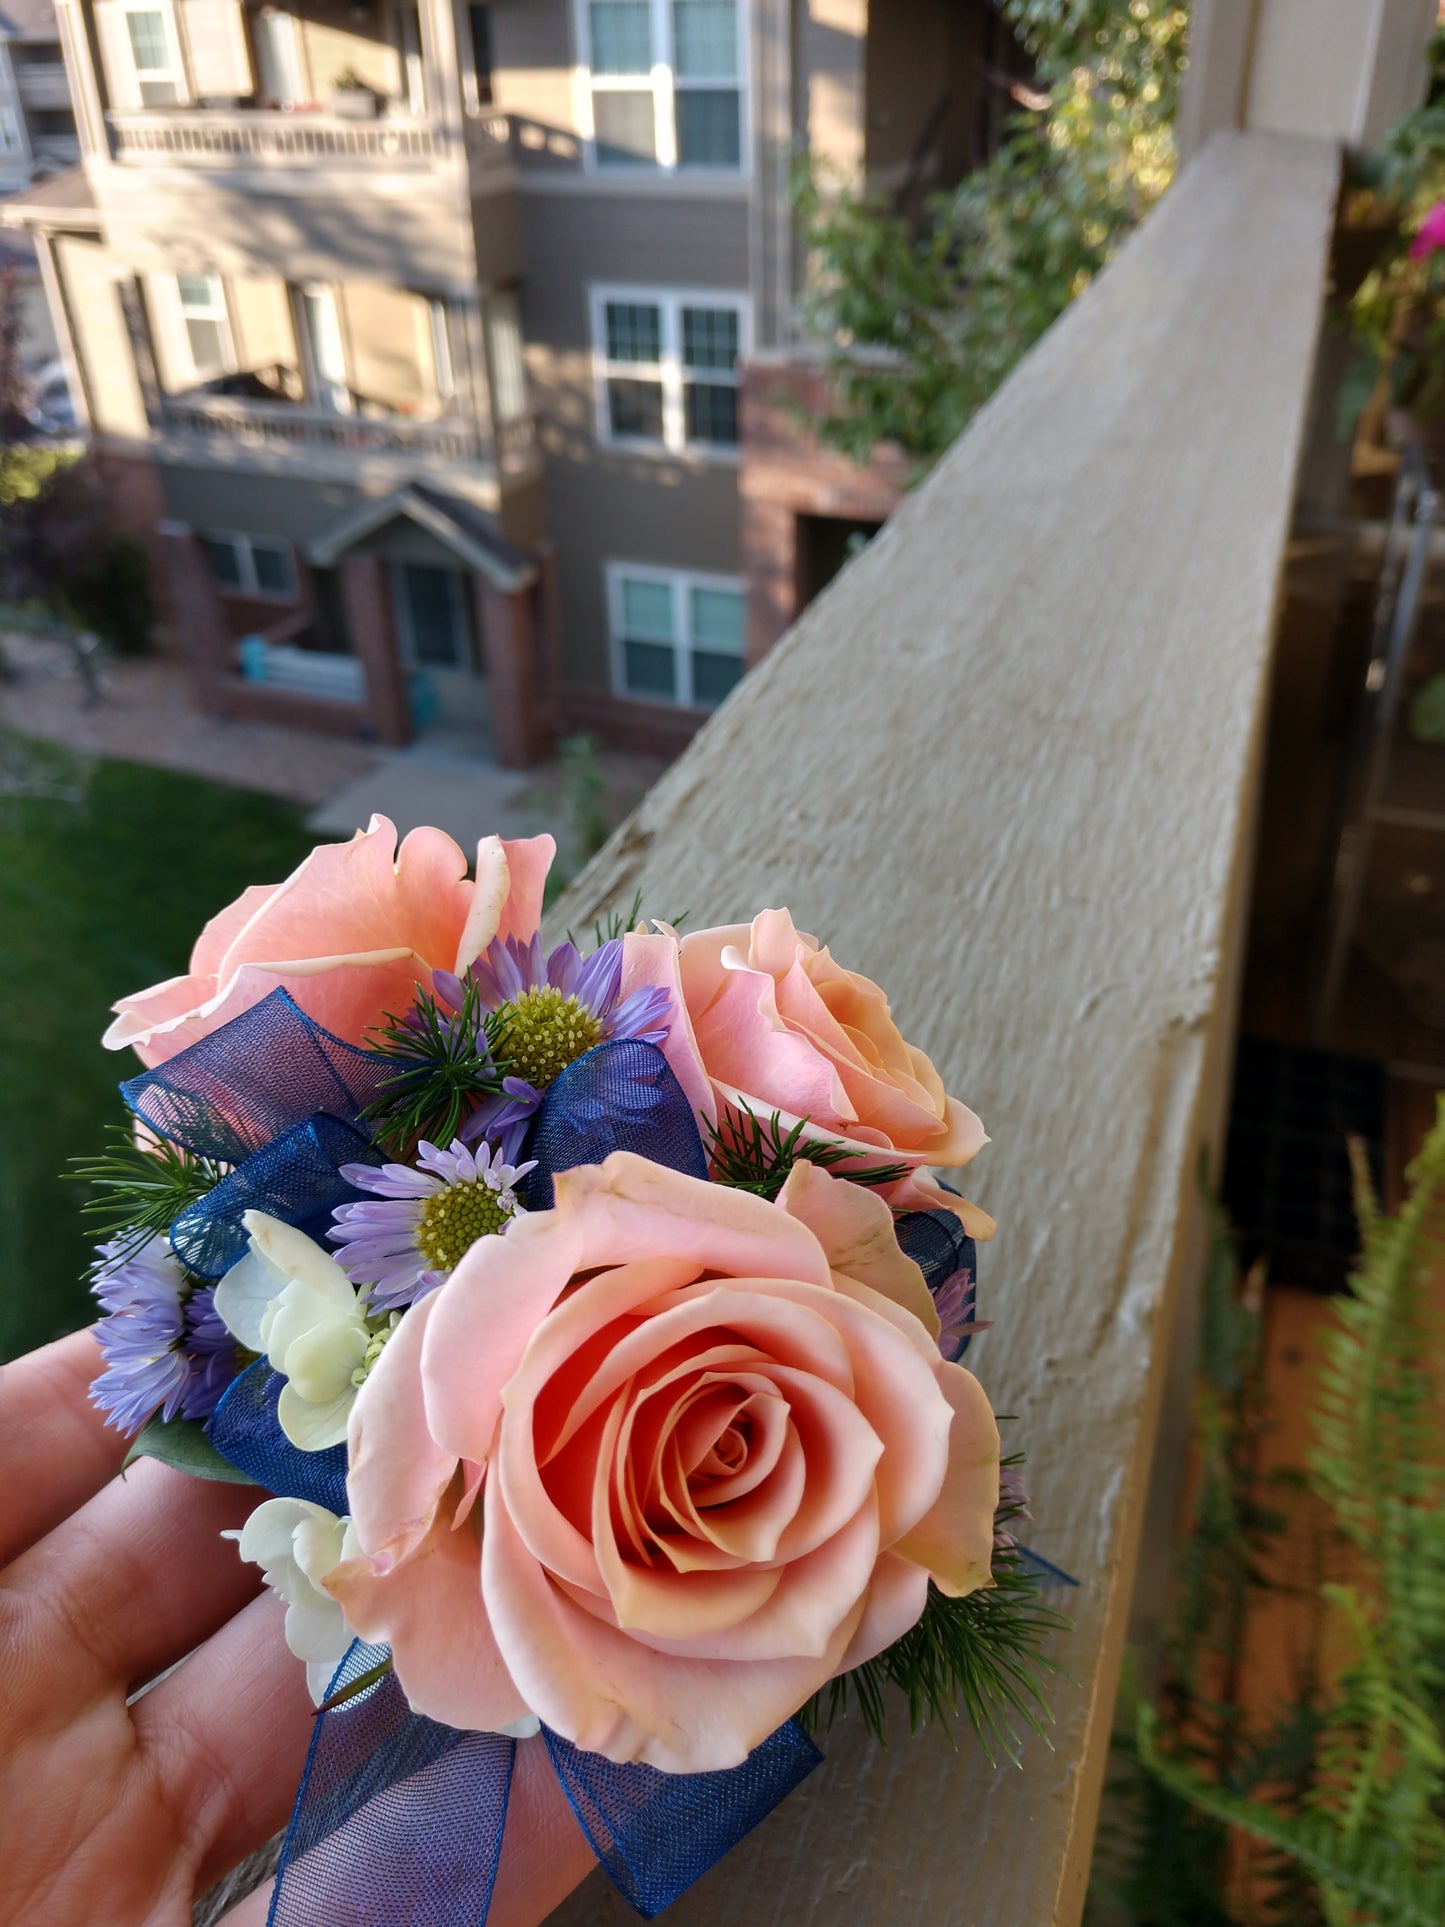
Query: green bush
x=61, y=546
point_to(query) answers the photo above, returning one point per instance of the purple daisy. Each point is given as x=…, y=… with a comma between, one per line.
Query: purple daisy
x=546, y=1013
x=143, y=1291
x=424, y=1220
x=955, y=1301
x=212, y=1354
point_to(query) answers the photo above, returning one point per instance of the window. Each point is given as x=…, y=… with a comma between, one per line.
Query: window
x=479, y=19
x=155, y=56
x=252, y=565
x=208, y=325
x=667, y=367
x=675, y=638
x=665, y=83
x=504, y=347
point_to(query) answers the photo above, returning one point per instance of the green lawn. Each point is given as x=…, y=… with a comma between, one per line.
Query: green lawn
x=107, y=872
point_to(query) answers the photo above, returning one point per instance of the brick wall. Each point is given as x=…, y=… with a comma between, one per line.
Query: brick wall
x=786, y=472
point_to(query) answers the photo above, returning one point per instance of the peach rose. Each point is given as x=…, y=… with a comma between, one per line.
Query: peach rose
x=349, y=935
x=773, y=1022
x=718, y=1458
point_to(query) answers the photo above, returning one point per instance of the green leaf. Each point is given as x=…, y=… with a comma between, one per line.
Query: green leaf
x=183, y=1444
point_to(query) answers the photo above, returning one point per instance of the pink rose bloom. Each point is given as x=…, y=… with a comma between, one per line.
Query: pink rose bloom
x=1431, y=235
x=349, y=935
x=713, y=1450
x=771, y=1020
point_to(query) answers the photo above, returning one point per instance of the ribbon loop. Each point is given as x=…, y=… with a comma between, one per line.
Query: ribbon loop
x=257, y=1076
x=244, y=1428
x=621, y=1096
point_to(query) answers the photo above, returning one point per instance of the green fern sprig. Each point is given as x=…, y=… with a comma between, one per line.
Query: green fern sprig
x=749, y=1153
x=138, y=1191
x=445, y=1067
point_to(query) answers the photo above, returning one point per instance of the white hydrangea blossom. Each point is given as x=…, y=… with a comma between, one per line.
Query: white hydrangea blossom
x=296, y=1544
x=291, y=1300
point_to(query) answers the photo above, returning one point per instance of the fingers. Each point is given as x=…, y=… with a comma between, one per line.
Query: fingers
x=133, y=1581
x=55, y=1447
x=227, y=1735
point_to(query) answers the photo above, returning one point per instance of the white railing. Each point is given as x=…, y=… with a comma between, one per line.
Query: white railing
x=283, y=425
x=212, y=136
x=43, y=84
x=227, y=137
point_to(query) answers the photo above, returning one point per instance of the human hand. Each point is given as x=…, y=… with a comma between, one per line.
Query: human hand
x=114, y=1813
x=122, y=1815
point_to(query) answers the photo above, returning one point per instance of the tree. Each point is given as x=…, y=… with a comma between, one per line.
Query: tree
x=921, y=322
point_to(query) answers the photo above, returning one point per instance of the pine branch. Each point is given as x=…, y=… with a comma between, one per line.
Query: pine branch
x=445, y=1067
x=140, y=1190
x=978, y=1658
x=748, y=1154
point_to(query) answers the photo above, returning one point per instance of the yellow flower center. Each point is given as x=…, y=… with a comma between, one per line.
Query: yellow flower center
x=542, y=1032
x=453, y=1218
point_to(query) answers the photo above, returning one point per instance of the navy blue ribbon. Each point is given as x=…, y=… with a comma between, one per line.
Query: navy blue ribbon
x=400, y=1818
x=278, y=1097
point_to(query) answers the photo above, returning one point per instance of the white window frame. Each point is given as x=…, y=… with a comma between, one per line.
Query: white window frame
x=663, y=84
x=670, y=371
x=679, y=582
x=219, y=312
x=176, y=70
x=244, y=552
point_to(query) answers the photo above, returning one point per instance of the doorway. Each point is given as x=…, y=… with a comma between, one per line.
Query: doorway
x=437, y=634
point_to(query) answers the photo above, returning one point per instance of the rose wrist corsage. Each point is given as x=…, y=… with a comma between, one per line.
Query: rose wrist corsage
x=594, y=1324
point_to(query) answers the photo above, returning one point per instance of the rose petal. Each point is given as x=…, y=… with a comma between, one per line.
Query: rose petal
x=397, y=1472
x=953, y=1542
x=856, y=1230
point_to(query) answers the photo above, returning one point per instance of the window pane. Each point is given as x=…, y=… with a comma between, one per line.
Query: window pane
x=636, y=408
x=200, y=293
x=224, y=560
x=710, y=337
x=272, y=562
x=625, y=128
x=148, y=42
x=712, y=412
x=646, y=607
x=713, y=676
x=707, y=128
x=208, y=345
x=621, y=37
x=717, y=618
x=705, y=39
x=634, y=332
x=650, y=669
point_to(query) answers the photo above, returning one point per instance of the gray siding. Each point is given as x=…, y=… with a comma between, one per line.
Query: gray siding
x=294, y=507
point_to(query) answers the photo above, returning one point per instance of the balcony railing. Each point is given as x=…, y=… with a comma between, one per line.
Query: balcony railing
x=1028, y=719
x=229, y=137
x=42, y=83
x=282, y=425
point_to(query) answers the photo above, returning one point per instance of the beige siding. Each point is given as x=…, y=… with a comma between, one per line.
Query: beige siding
x=830, y=58
x=331, y=43
x=265, y=332
x=533, y=60
x=388, y=341
x=174, y=369
x=88, y=273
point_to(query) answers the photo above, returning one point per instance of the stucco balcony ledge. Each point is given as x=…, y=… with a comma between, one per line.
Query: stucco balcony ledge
x=1008, y=764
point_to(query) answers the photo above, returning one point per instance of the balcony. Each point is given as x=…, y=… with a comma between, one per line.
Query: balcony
x=42, y=84
x=250, y=425
x=216, y=137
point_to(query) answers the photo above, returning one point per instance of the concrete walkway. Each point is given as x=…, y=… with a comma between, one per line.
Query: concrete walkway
x=145, y=714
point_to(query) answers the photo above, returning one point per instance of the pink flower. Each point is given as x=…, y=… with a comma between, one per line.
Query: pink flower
x=1431, y=234
x=773, y=1022
x=718, y=1458
x=349, y=935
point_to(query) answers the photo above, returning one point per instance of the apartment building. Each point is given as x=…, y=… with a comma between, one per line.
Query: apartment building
x=412, y=329
x=37, y=127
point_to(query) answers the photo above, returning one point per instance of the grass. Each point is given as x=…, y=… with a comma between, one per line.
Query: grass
x=107, y=872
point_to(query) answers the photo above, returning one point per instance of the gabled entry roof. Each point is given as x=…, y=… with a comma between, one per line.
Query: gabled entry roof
x=460, y=526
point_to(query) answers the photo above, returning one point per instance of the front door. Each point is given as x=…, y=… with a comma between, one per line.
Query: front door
x=434, y=627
